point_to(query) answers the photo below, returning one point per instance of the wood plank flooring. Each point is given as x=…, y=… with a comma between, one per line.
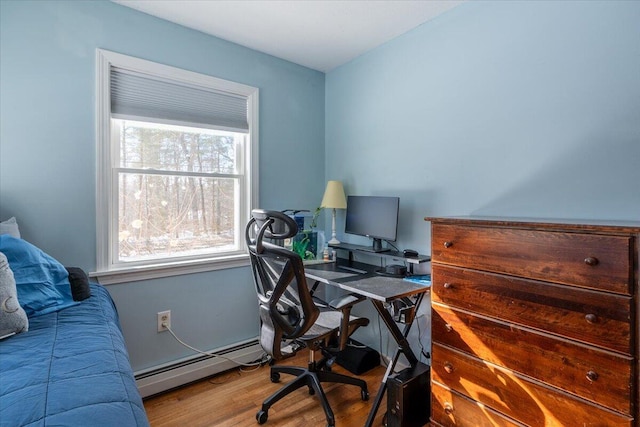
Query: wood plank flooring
x=232, y=398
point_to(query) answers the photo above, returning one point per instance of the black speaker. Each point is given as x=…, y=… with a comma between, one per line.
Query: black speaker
x=409, y=397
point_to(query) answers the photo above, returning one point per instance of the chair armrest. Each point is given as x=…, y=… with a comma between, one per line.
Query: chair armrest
x=346, y=301
x=348, y=324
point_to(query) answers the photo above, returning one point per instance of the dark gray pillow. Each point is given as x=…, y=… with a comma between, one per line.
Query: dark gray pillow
x=79, y=281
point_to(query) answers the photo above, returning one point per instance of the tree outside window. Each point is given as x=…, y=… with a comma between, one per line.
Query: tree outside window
x=177, y=190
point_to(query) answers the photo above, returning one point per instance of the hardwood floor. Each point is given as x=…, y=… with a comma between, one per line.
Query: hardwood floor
x=233, y=398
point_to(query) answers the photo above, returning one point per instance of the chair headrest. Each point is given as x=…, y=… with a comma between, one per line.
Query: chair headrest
x=270, y=224
x=280, y=226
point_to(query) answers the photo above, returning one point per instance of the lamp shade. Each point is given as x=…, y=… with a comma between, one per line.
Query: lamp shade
x=334, y=196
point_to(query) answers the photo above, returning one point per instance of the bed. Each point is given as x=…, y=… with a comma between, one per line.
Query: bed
x=69, y=366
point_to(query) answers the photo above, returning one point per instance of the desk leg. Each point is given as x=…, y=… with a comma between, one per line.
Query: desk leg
x=403, y=347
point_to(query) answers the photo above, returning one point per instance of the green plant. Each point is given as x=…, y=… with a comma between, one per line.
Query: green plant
x=314, y=220
x=300, y=246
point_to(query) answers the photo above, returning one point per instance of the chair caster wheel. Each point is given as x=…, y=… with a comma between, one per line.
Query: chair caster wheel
x=364, y=394
x=275, y=377
x=261, y=417
x=329, y=364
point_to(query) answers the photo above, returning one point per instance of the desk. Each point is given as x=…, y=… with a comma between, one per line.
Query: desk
x=379, y=290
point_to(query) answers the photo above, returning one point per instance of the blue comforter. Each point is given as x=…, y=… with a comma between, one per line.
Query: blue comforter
x=70, y=369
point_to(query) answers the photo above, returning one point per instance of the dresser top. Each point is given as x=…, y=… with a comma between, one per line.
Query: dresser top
x=607, y=226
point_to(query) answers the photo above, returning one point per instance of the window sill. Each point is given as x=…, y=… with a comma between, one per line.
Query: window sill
x=134, y=274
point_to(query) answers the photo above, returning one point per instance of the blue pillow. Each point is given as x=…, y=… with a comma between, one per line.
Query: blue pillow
x=42, y=282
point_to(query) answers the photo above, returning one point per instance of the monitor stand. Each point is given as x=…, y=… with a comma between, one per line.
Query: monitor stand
x=377, y=247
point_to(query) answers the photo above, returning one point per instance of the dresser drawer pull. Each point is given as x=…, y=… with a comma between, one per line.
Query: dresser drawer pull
x=591, y=318
x=591, y=261
x=448, y=327
x=448, y=408
x=448, y=368
x=448, y=285
x=448, y=244
x=592, y=376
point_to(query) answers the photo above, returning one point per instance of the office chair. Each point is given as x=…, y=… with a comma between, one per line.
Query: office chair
x=290, y=319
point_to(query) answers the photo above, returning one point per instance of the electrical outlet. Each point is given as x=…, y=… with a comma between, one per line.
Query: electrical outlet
x=164, y=317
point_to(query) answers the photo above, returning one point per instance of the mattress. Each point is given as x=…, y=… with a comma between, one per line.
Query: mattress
x=70, y=369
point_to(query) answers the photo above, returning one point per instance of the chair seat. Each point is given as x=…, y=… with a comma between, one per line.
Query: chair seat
x=329, y=319
x=328, y=323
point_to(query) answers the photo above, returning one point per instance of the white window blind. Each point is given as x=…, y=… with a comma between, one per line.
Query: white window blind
x=135, y=94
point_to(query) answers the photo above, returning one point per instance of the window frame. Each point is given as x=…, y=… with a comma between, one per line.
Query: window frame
x=109, y=271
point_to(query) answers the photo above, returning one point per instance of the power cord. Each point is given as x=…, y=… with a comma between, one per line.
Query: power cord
x=394, y=246
x=263, y=360
x=423, y=351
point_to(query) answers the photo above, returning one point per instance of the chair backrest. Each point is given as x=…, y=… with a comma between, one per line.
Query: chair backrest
x=286, y=307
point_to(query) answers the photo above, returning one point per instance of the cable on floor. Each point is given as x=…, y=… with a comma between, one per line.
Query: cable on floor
x=263, y=360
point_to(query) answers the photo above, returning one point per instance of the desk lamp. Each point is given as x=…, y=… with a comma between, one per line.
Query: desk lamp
x=334, y=198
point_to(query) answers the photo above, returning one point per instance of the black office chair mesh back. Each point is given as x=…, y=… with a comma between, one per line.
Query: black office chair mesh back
x=282, y=289
x=288, y=312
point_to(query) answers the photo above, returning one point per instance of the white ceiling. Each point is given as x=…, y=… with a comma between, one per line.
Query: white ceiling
x=319, y=34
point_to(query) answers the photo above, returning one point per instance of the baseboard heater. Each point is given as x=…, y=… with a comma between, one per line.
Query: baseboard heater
x=165, y=377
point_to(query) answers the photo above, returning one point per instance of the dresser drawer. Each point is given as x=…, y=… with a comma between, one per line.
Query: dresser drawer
x=526, y=401
x=598, y=318
x=588, y=260
x=451, y=409
x=596, y=375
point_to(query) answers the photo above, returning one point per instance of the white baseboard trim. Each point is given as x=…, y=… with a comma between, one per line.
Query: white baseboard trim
x=165, y=377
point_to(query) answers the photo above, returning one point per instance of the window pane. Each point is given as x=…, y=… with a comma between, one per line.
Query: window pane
x=166, y=216
x=178, y=148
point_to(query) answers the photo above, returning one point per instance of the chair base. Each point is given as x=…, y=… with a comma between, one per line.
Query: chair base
x=312, y=378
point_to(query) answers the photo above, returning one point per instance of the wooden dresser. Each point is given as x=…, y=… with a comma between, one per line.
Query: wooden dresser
x=534, y=323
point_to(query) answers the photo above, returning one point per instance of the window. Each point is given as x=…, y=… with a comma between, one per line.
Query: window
x=177, y=169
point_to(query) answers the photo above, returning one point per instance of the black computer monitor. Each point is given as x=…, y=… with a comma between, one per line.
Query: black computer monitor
x=373, y=216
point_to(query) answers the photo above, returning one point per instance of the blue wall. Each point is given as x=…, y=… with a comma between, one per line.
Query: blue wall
x=48, y=153
x=528, y=109
x=495, y=108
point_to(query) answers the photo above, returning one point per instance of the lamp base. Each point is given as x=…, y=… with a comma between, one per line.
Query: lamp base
x=333, y=240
